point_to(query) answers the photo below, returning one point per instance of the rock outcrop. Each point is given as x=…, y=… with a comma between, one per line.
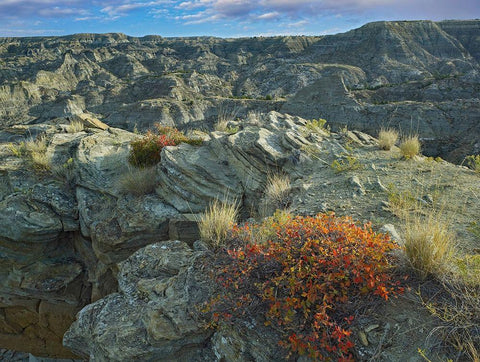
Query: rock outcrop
x=152, y=316
x=73, y=240
x=419, y=76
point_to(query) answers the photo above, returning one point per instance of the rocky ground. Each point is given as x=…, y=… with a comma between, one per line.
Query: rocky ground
x=131, y=266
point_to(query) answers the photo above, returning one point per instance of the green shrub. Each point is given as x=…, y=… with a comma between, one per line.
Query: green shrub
x=176, y=135
x=146, y=151
x=346, y=163
x=307, y=280
x=317, y=125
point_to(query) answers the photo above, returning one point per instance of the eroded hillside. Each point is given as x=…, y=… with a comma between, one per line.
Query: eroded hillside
x=418, y=76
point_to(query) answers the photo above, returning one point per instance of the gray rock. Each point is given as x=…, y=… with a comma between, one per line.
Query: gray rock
x=151, y=318
x=392, y=231
x=184, y=230
x=101, y=158
x=28, y=220
x=355, y=182
x=136, y=222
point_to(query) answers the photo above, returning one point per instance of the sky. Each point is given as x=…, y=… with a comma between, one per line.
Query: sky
x=222, y=18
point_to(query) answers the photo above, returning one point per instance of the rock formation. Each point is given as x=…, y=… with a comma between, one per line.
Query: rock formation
x=131, y=266
x=419, y=76
x=71, y=233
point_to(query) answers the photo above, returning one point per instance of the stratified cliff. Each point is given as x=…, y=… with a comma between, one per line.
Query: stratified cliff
x=420, y=76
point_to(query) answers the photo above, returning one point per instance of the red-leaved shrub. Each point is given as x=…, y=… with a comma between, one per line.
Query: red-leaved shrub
x=306, y=281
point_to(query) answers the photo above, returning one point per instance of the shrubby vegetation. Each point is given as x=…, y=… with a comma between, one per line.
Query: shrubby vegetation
x=34, y=151
x=146, y=151
x=346, y=163
x=306, y=281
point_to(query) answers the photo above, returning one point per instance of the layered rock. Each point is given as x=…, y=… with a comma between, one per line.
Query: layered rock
x=420, y=76
x=152, y=317
x=74, y=241
x=63, y=231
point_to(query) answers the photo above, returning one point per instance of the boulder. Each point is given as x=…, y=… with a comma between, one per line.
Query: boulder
x=101, y=158
x=152, y=317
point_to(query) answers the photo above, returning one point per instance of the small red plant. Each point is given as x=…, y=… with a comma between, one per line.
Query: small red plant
x=306, y=281
x=145, y=151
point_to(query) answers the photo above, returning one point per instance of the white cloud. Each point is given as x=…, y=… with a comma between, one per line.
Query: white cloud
x=269, y=16
x=298, y=24
x=116, y=9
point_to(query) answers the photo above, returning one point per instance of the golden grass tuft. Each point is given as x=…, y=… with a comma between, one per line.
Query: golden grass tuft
x=221, y=125
x=429, y=244
x=216, y=222
x=410, y=147
x=137, y=181
x=387, y=138
x=75, y=126
x=277, y=190
x=266, y=229
x=36, y=151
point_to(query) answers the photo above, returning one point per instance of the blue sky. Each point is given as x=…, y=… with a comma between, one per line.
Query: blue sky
x=224, y=18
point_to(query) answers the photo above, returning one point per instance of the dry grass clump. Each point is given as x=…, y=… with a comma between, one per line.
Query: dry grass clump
x=75, y=126
x=217, y=221
x=266, y=229
x=34, y=151
x=429, y=244
x=387, y=138
x=473, y=162
x=410, y=147
x=277, y=190
x=458, y=308
x=223, y=126
x=137, y=181
x=37, y=150
x=401, y=203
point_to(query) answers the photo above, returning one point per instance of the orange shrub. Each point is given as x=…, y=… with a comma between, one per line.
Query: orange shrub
x=307, y=281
